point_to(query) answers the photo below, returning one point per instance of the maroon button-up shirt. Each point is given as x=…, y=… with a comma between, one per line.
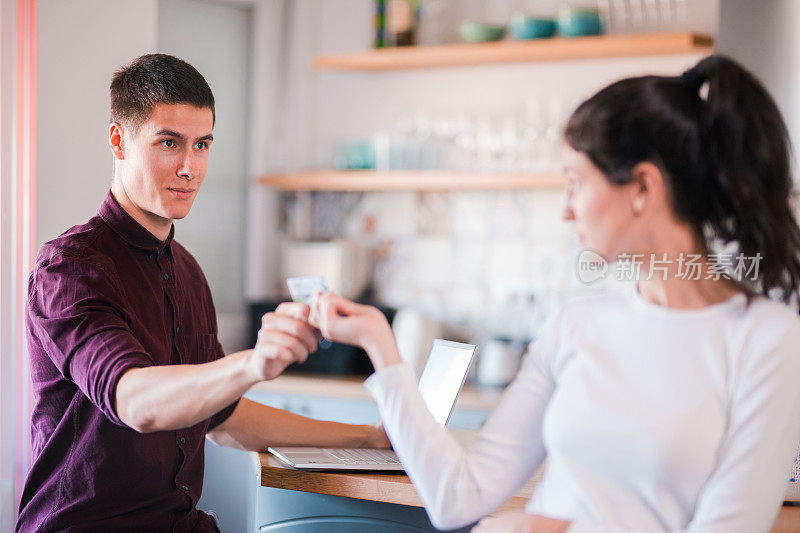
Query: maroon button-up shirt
x=105, y=297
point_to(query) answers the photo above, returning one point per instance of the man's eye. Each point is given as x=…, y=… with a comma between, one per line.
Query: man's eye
x=201, y=145
x=169, y=143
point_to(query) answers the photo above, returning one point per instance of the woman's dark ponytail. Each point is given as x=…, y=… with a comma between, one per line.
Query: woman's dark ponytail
x=750, y=158
x=724, y=149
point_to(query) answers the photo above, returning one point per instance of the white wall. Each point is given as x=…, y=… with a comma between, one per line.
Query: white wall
x=214, y=230
x=764, y=37
x=81, y=44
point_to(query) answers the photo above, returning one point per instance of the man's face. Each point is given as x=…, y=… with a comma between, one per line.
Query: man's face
x=166, y=159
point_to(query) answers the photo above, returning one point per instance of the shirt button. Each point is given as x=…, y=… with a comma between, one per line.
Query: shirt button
x=165, y=276
x=178, y=330
x=151, y=256
x=185, y=488
x=183, y=440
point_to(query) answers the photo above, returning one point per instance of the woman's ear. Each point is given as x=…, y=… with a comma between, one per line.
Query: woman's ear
x=648, y=187
x=115, y=140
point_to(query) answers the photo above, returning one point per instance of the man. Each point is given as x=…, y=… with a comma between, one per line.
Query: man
x=127, y=371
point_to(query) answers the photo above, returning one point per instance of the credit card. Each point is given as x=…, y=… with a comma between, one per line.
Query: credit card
x=304, y=288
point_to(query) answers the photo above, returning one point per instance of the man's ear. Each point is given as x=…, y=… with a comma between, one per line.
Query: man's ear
x=115, y=140
x=648, y=185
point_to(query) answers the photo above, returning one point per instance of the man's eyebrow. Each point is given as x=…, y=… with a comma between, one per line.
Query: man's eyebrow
x=171, y=133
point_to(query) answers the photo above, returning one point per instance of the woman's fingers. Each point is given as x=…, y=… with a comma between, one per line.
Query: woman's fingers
x=323, y=313
x=314, y=315
x=342, y=305
x=338, y=318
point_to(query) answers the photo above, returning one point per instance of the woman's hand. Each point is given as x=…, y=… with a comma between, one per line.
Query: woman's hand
x=520, y=522
x=341, y=320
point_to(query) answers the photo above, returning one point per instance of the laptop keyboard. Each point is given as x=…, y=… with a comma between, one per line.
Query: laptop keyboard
x=353, y=456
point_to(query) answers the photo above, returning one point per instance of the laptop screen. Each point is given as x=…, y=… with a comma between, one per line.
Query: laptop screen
x=443, y=376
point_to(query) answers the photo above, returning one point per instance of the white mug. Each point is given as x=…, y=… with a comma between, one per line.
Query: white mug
x=498, y=362
x=414, y=333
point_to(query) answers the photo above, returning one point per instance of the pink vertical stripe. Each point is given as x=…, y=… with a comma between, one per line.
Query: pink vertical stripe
x=25, y=244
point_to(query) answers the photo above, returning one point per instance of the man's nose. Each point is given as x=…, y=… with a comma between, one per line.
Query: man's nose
x=188, y=166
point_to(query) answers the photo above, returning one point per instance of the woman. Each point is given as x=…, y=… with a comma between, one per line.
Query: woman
x=670, y=405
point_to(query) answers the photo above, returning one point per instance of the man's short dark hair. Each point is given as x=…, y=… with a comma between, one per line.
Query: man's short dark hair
x=156, y=79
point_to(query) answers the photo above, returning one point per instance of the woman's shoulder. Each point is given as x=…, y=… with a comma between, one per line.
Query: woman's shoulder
x=762, y=313
x=770, y=317
x=768, y=331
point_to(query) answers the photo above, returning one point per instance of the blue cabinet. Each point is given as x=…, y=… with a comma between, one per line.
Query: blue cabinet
x=232, y=486
x=289, y=511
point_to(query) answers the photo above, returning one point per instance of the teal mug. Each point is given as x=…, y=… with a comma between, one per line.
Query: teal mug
x=574, y=22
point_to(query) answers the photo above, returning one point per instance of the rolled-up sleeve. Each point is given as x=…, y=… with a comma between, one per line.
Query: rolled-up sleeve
x=73, y=310
x=222, y=416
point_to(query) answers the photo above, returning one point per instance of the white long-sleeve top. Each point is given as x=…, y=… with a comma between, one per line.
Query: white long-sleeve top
x=651, y=419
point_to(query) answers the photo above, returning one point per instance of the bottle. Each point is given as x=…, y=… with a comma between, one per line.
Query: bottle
x=402, y=18
x=380, y=23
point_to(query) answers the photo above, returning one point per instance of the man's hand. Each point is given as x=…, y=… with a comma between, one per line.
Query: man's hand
x=285, y=337
x=376, y=438
x=520, y=522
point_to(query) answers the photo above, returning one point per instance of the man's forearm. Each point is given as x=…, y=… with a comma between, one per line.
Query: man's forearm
x=160, y=398
x=254, y=427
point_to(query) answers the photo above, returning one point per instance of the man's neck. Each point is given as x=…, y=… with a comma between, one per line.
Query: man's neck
x=158, y=226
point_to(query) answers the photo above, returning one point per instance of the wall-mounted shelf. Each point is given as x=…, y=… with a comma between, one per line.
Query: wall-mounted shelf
x=410, y=180
x=556, y=48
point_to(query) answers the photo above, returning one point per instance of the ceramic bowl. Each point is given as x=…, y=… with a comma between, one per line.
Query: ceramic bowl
x=477, y=32
x=524, y=27
x=579, y=22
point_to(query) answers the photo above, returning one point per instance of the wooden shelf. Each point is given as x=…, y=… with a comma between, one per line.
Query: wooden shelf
x=410, y=180
x=552, y=49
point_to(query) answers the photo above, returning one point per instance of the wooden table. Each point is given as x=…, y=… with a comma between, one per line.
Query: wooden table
x=397, y=489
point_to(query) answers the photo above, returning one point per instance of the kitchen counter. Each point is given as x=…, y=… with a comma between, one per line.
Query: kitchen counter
x=388, y=488
x=350, y=387
x=397, y=489
x=297, y=500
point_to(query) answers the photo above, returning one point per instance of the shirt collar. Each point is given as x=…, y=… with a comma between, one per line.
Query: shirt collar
x=128, y=229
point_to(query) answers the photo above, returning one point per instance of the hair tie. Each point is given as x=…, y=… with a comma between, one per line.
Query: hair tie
x=693, y=79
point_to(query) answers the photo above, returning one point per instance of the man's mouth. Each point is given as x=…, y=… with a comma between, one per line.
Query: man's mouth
x=180, y=193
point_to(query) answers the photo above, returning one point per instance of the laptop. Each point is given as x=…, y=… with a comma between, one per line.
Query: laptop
x=440, y=382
